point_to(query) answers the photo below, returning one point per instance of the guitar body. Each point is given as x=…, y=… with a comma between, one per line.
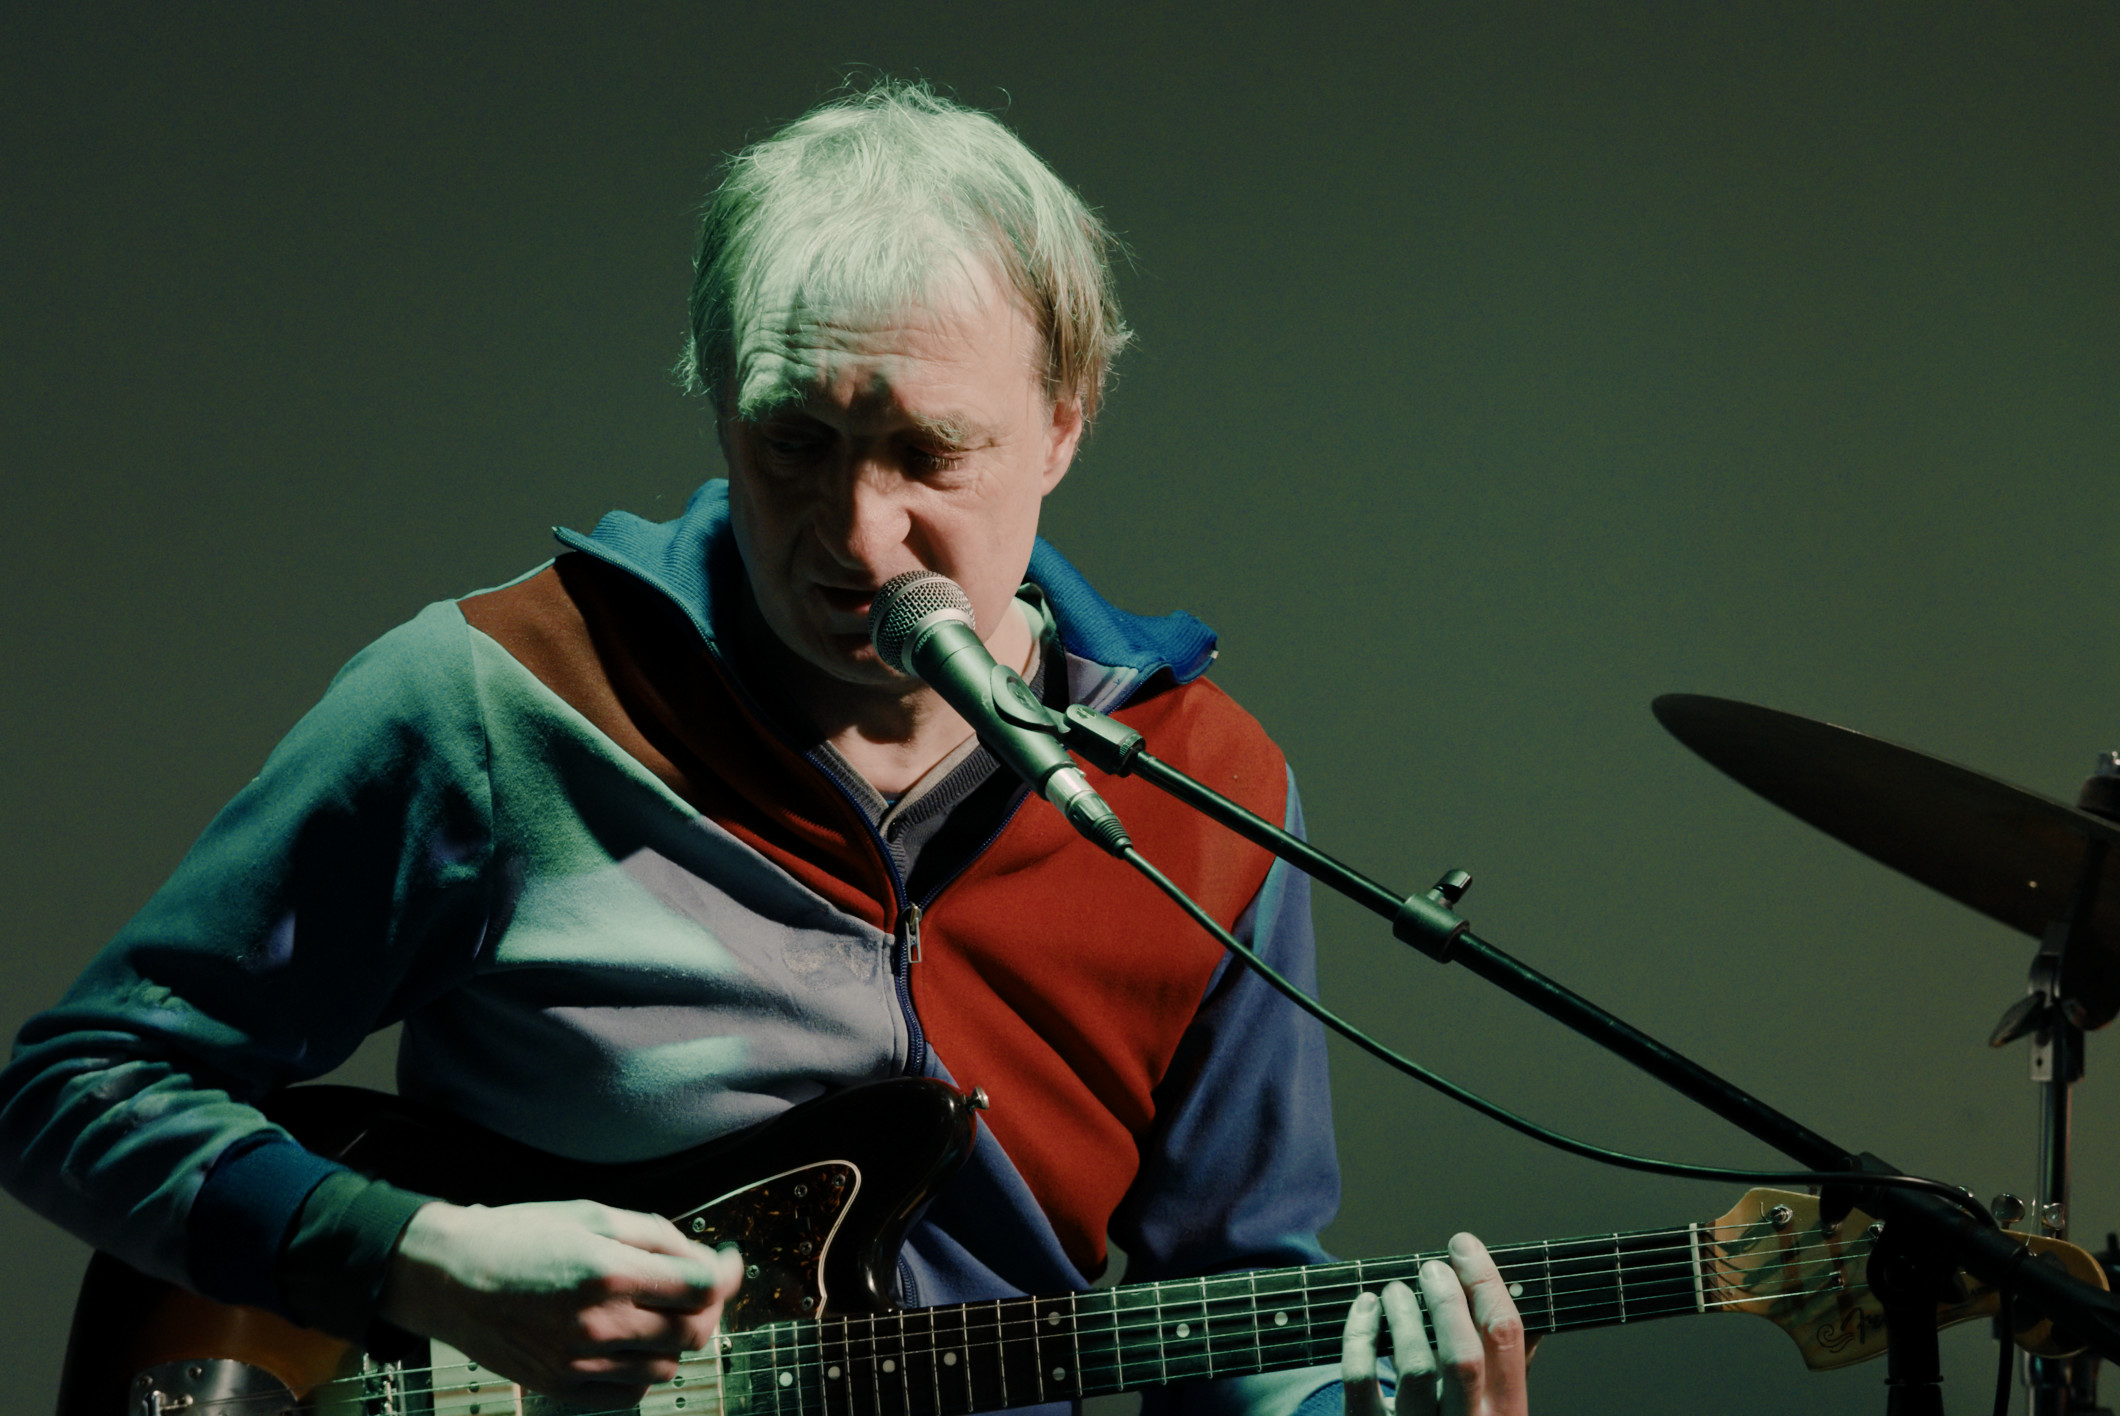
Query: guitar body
x=819, y=1199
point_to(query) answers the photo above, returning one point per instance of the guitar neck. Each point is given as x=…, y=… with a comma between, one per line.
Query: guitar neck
x=972, y=1357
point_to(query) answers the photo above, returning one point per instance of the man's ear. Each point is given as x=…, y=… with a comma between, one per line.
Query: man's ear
x=1064, y=436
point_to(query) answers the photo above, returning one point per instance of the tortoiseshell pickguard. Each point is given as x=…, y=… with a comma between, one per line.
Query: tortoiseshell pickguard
x=784, y=1225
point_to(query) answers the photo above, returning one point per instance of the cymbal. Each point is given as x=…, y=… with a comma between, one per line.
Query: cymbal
x=2011, y=854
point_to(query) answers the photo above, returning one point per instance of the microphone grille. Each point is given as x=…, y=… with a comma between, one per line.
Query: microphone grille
x=906, y=600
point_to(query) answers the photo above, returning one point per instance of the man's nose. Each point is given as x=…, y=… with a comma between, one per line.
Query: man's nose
x=867, y=520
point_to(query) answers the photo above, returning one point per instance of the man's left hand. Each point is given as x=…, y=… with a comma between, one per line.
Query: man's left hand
x=1476, y=1367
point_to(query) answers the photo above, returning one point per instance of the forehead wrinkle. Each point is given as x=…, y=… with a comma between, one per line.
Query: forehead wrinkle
x=800, y=312
x=954, y=429
x=781, y=381
x=787, y=359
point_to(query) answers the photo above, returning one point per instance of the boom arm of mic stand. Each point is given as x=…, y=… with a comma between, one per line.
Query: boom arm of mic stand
x=1427, y=922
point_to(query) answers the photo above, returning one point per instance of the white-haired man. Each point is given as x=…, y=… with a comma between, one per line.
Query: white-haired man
x=649, y=846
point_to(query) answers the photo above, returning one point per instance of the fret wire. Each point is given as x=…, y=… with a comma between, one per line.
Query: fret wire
x=1074, y=1334
x=934, y=1360
x=1162, y=1353
x=1000, y=1367
x=1207, y=1341
x=824, y=1387
x=800, y=1387
x=1258, y=1338
x=831, y=1334
x=964, y=1341
x=776, y=1371
x=1038, y=1349
x=1619, y=1288
x=905, y=1396
x=1118, y=1343
x=1308, y=1320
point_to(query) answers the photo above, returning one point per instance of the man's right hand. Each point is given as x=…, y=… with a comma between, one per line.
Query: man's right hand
x=570, y=1298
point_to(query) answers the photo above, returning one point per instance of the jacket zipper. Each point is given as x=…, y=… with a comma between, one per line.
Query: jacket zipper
x=909, y=915
x=909, y=947
x=909, y=912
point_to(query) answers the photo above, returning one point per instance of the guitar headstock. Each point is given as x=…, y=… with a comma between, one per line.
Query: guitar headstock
x=1774, y=1255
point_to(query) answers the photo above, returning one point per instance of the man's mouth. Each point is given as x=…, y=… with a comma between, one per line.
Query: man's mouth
x=851, y=601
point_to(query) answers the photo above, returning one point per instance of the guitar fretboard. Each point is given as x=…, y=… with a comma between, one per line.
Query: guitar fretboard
x=956, y=1360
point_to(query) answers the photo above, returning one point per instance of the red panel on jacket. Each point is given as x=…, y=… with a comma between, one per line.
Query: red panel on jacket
x=1061, y=981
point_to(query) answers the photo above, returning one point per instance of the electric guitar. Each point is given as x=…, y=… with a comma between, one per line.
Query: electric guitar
x=820, y=1198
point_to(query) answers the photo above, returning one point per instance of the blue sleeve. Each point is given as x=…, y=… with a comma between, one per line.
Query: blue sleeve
x=1240, y=1171
x=345, y=883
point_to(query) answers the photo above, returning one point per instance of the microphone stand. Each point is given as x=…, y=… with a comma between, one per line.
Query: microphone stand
x=1926, y=1240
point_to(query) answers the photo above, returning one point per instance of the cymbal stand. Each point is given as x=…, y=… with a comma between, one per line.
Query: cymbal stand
x=2059, y=1386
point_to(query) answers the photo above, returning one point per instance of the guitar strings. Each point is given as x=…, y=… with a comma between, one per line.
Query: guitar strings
x=467, y=1394
x=976, y=1334
x=1304, y=1335
x=1314, y=1331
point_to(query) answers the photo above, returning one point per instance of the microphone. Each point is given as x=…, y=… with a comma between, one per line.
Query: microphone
x=921, y=624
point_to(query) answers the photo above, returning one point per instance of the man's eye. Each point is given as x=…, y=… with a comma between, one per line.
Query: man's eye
x=934, y=459
x=789, y=447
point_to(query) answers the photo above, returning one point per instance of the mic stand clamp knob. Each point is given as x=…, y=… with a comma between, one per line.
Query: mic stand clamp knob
x=1428, y=920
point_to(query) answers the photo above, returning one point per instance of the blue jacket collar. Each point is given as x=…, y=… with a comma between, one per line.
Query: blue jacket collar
x=692, y=559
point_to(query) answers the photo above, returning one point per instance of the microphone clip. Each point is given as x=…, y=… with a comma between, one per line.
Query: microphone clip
x=1107, y=745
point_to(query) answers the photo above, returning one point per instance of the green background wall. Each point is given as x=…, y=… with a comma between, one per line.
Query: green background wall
x=1501, y=367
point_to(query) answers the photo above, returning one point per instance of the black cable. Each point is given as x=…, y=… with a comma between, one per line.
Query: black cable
x=1524, y=1125
x=2006, y=1340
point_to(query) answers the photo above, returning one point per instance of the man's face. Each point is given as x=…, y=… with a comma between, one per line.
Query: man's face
x=919, y=442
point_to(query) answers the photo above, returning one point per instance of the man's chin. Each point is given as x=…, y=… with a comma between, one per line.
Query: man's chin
x=853, y=658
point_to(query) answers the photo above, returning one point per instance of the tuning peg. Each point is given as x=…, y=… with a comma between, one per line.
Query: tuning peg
x=2007, y=1209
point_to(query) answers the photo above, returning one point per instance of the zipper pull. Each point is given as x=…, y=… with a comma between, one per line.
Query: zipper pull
x=912, y=934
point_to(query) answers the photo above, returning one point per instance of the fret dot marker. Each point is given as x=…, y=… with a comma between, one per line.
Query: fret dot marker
x=832, y=1372
x=1059, y=1374
x=1280, y=1320
x=1052, y=1319
x=890, y=1364
x=1185, y=1329
x=1516, y=1290
x=787, y=1379
x=949, y=1359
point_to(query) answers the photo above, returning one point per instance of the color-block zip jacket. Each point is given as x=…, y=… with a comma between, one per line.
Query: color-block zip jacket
x=619, y=911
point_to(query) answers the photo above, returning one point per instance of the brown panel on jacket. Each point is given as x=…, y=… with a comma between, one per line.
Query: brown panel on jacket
x=621, y=654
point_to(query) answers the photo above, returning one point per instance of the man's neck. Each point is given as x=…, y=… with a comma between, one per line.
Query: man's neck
x=891, y=738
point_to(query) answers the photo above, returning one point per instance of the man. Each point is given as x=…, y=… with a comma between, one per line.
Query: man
x=648, y=846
